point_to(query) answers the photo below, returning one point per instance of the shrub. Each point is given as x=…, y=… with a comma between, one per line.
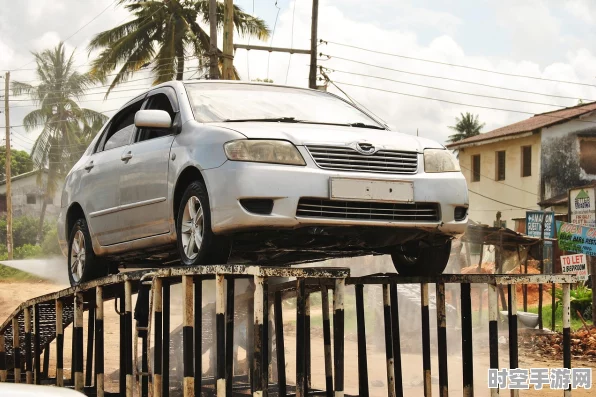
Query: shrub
x=24, y=230
x=580, y=299
x=49, y=245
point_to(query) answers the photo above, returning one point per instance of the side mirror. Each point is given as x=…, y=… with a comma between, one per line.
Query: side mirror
x=153, y=119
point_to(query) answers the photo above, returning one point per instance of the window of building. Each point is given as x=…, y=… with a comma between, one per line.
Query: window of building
x=526, y=161
x=31, y=199
x=500, y=166
x=476, y=168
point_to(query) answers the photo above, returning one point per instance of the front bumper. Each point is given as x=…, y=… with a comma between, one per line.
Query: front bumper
x=287, y=184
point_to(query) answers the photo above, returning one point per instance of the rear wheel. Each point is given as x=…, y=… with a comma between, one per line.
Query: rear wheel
x=197, y=245
x=422, y=258
x=83, y=265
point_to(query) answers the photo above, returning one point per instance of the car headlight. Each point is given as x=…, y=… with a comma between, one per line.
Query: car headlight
x=263, y=151
x=439, y=160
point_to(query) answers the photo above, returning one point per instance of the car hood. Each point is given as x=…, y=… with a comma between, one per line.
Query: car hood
x=303, y=134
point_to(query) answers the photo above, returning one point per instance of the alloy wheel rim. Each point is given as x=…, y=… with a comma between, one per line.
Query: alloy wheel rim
x=77, y=256
x=192, y=227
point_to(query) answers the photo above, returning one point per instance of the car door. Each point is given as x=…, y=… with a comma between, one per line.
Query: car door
x=144, y=177
x=100, y=182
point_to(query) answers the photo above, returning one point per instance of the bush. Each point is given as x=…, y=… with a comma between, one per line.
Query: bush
x=27, y=251
x=24, y=230
x=581, y=299
x=49, y=245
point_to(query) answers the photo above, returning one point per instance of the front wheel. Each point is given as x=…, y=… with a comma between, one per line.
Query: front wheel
x=83, y=265
x=197, y=245
x=422, y=258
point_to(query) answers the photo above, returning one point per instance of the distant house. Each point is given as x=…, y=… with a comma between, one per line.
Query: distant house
x=529, y=164
x=27, y=195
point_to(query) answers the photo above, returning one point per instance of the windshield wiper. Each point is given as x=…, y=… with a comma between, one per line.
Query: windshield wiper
x=362, y=125
x=266, y=119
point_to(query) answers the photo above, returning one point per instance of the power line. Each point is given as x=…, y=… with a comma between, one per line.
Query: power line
x=291, y=41
x=446, y=90
x=272, y=35
x=452, y=79
x=500, y=202
x=500, y=182
x=459, y=66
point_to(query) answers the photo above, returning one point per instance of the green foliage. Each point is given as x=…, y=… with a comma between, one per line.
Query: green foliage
x=580, y=300
x=9, y=273
x=20, y=162
x=49, y=245
x=24, y=230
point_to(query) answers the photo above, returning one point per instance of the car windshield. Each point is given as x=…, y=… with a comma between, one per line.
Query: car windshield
x=217, y=102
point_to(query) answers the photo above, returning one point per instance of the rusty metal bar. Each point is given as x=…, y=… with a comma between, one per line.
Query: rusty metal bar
x=552, y=305
x=265, y=339
x=512, y=320
x=158, y=339
x=388, y=341
x=36, y=346
x=442, y=339
x=166, y=340
x=198, y=329
x=300, y=337
x=28, y=358
x=327, y=341
x=567, y=331
x=220, y=334
x=59, y=344
x=90, y=338
x=426, y=373
x=2, y=358
x=16, y=349
x=229, y=332
x=46, y=361
x=361, y=332
x=77, y=359
x=250, y=338
x=128, y=338
x=498, y=279
x=307, y=345
x=397, y=372
x=99, y=342
x=187, y=336
x=466, y=341
x=338, y=335
x=493, y=331
x=280, y=345
x=259, y=342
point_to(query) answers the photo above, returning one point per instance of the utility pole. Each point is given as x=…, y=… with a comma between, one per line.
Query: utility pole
x=8, y=193
x=213, y=59
x=312, y=76
x=228, y=40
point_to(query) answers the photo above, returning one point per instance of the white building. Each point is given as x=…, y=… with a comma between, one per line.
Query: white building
x=27, y=195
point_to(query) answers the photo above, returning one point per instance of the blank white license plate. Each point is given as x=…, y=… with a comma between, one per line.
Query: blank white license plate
x=370, y=189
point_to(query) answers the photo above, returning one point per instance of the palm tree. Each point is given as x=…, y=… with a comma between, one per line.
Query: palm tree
x=67, y=128
x=465, y=126
x=164, y=33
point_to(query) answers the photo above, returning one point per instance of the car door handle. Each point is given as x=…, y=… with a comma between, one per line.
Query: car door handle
x=126, y=156
x=89, y=166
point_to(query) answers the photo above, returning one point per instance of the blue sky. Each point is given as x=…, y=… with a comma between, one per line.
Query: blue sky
x=542, y=38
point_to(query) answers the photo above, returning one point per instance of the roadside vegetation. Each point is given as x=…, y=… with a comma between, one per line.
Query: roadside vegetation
x=25, y=231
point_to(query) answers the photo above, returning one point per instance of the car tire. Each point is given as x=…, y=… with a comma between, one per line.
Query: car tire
x=422, y=258
x=83, y=264
x=197, y=245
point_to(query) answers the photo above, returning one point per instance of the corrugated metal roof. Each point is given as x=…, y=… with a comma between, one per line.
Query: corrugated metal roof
x=534, y=123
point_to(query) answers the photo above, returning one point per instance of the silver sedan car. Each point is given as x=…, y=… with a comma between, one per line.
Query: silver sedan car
x=216, y=171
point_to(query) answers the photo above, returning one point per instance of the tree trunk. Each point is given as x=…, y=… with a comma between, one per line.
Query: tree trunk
x=41, y=219
x=180, y=67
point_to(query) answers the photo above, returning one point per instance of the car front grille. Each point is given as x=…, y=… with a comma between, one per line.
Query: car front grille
x=368, y=210
x=347, y=159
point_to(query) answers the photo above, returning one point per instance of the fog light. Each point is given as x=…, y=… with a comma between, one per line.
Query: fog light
x=460, y=213
x=258, y=206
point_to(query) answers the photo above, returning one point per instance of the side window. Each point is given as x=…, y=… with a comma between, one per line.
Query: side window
x=121, y=128
x=157, y=102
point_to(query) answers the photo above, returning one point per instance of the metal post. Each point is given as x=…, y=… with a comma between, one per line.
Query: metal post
x=259, y=342
x=338, y=335
x=128, y=337
x=493, y=330
x=512, y=320
x=220, y=332
x=90, y=337
x=198, y=282
x=2, y=359
x=280, y=346
x=442, y=339
x=567, y=331
x=28, y=358
x=466, y=341
x=397, y=375
x=312, y=77
x=265, y=340
x=36, y=346
x=307, y=345
x=300, y=337
x=552, y=304
x=59, y=345
x=426, y=374
x=229, y=348
x=99, y=342
x=187, y=336
x=166, y=340
x=157, y=334
x=361, y=336
x=327, y=341
x=388, y=341
x=46, y=361
x=228, y=40
x=122, y=372
x=77, y=358
x=16, y=349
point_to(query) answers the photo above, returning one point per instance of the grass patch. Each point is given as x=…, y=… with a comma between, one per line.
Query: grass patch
x=8, y=273
x=547, y=311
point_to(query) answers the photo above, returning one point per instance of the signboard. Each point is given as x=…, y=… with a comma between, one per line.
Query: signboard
x=582, y=206
x=534, y=224
x=575, y=264
x=576, y=238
